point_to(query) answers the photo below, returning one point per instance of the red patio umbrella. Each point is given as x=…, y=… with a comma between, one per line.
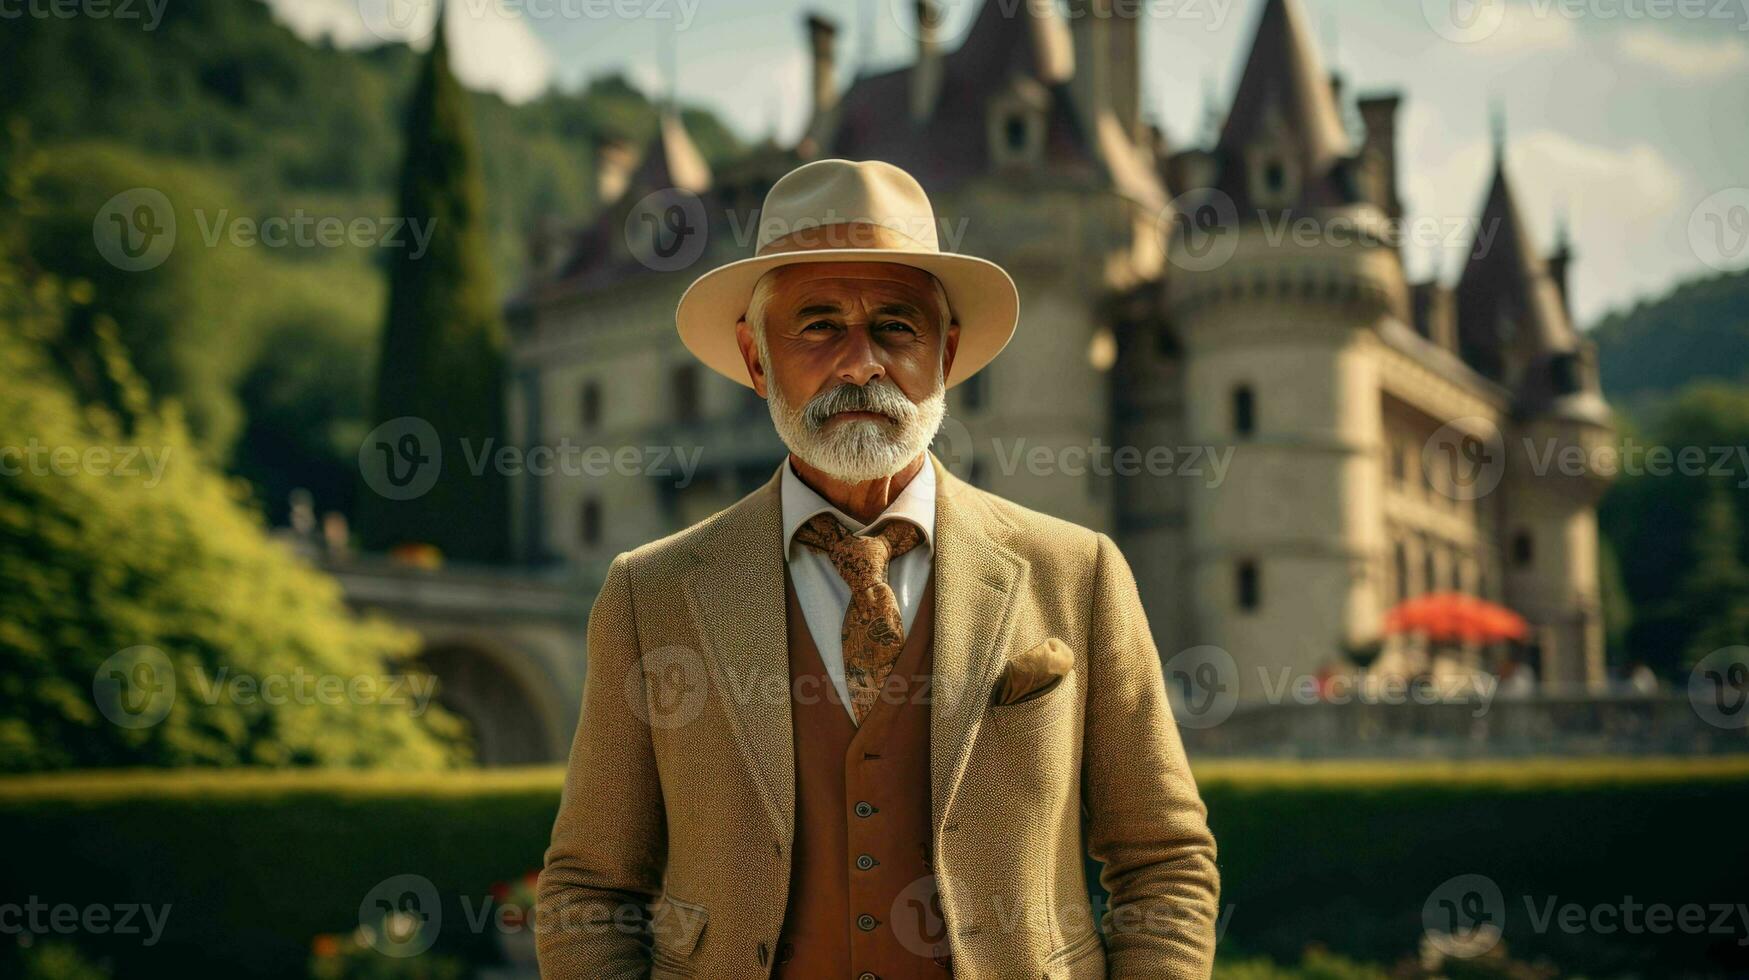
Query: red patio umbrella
x=1454, y=616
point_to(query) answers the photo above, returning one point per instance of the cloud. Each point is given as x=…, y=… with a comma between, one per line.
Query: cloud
x=1622, y=205
x=1686, y=58
x=492, y=48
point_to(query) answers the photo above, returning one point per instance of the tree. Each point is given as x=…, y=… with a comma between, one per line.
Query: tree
x=1714, y=595
x=144, y=610
x=442, y=360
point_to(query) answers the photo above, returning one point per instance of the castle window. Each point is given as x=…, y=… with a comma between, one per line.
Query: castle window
x=1247, y=586
x=1429, y=568
x=589, y=523
x=685, y=385
x=1523, y=551
x=1274, y=177
x=1400, y=567
x=1014, y=131
x=590, y=404
x=1564, y=374
x=1244, y=411
x=1015, y=127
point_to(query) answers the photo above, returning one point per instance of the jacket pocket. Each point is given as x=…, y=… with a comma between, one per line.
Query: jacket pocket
x=1077, y=958
x=676, y=927
x=1039, y=711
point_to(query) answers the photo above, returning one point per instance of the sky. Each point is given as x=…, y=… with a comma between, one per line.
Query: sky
x=1630, y=118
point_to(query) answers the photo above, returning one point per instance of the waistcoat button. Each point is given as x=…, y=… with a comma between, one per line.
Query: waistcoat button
x=864, y=810
x=865, y=975
x=866, y=922
x=865, y=862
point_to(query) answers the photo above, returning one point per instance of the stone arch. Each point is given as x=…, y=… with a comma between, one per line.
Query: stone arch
x=499, y=693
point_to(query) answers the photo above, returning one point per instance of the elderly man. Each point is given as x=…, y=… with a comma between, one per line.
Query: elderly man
x=861, y=723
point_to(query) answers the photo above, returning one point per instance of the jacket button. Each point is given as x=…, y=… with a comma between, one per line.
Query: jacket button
x=866, y=922
x=864, y=810
x=865, y=862
x=865, y=975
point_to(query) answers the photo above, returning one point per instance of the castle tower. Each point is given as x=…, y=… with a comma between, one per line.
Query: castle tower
x=1277, y=310
x=1514, y=326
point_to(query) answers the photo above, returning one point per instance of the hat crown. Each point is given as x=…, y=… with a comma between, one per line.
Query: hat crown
x=828, y=193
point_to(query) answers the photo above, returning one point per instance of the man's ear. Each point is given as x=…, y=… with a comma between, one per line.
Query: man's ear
x=950, y=345
x=750, y=354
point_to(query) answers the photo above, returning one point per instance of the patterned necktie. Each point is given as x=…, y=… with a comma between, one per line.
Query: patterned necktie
x=873, y=630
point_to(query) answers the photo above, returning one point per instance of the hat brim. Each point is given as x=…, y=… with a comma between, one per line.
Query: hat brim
x=981, y=296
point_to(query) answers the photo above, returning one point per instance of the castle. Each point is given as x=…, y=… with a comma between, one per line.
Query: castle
x=1220, y=360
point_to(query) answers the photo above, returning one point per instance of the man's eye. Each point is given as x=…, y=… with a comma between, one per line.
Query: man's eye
x=897, y=325
x=818, y=324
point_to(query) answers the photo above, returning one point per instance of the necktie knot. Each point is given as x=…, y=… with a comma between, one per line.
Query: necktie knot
x=861, y=559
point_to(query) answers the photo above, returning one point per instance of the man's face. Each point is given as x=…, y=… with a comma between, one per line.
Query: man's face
x=829, y=323
x=856, y=356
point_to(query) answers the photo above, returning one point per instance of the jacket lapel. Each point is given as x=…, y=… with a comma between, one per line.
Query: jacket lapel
x=977, y=578
x=735, y=596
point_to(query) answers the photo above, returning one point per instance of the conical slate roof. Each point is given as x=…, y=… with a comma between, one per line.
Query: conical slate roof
x=1512, y=322
x=1284, y=92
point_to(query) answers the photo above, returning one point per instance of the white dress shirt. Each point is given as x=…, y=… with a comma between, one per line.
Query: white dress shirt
x=822, y=592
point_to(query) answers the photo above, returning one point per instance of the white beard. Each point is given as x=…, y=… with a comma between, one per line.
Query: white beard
x=859, y=450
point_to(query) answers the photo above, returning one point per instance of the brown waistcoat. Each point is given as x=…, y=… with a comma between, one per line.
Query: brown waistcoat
x=862, y=890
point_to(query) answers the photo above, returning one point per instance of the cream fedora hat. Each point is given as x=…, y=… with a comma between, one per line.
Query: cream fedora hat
x=849, y=211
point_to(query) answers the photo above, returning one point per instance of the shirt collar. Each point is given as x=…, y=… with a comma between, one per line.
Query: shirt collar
x=915, y=503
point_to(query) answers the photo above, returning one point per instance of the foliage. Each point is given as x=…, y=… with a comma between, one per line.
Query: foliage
x=225, y=110
x=55, y=960
x=442, y=359
x=261, y=862
x=1697, y=333
x=116, y=535
x=1681, y=535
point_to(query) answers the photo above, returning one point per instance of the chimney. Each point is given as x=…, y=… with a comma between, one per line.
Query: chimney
x=1379, y=150
x=614, y=160
x=823, y=38
x=926, y=74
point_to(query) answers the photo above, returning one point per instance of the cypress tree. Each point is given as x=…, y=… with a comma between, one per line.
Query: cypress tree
x=442, y=351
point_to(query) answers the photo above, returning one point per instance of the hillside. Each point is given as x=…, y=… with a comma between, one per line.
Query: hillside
x=236, y=121
x=1698, y=332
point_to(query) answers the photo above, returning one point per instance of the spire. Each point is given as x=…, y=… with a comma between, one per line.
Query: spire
x=1512, y=316
x=673, y=159
x=1284, y=84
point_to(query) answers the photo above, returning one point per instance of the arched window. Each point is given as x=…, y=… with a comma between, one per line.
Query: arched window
x=589, y=406
x=1244, y=411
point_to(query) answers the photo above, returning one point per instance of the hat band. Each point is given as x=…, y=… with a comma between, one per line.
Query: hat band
x=844, y=234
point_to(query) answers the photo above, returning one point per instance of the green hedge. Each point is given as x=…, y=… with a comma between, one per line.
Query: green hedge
x=255, y=864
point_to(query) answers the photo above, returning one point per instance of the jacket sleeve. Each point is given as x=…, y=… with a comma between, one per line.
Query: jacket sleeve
x=1145, y=820
x=604, y=865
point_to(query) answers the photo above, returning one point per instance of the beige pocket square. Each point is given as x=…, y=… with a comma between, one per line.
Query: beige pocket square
x=1035, y=672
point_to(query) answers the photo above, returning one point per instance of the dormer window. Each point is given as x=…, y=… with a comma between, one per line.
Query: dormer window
x=1017, y=127
x=1274, y=179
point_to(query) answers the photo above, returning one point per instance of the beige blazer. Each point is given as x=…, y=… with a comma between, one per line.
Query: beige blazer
x=670, y=855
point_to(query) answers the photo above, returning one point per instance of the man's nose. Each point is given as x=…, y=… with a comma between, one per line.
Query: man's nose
x=859, y=360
